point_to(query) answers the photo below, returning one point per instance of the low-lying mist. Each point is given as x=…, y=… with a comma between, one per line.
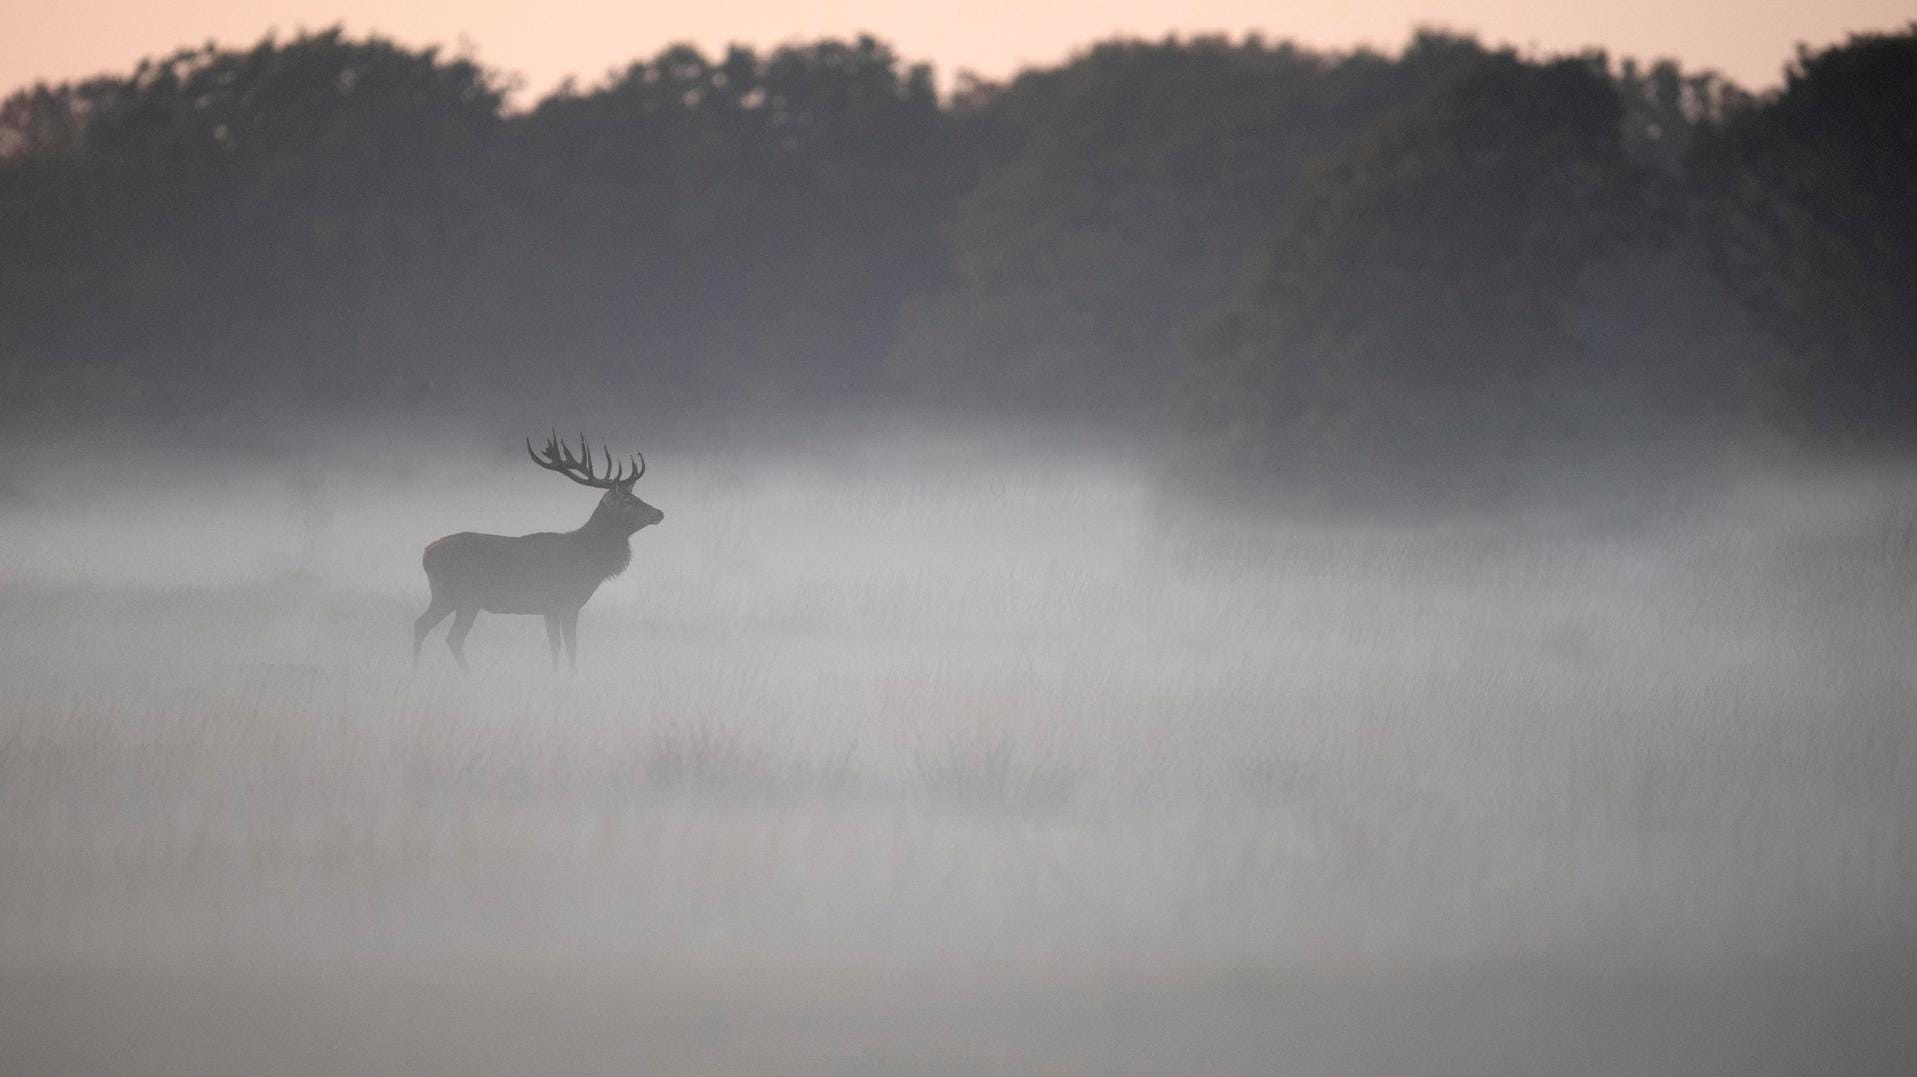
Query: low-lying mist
x=953, y=754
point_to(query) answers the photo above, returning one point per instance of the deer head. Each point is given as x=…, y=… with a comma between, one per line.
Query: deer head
x=619, y=508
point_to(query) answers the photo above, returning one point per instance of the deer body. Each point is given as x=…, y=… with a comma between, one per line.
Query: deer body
x=544, y=573
x=548, y=573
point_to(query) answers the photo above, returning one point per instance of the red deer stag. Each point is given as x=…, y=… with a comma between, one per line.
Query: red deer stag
x=552, y=574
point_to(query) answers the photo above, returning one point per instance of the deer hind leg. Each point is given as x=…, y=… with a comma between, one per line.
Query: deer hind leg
x=569, y=624
x=456, y=638
x=552, y=638
x=434, y=614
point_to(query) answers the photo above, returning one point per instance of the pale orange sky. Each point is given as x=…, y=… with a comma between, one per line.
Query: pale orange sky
x=1749, y=40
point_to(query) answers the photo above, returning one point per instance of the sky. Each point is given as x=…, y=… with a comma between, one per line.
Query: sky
x=545, y=42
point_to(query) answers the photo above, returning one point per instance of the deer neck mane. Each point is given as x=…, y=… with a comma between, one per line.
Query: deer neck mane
x=607, y=541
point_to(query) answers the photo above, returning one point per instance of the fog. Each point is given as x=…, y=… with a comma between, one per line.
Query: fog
x=911, y=753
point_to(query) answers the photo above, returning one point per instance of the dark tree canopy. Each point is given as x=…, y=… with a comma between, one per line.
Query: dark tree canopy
x=330, y=221
x=745, y=224
x=1415, y=293
x=1809, y=200
x=224, y=223
x=1431, y=265
x=1122, y=197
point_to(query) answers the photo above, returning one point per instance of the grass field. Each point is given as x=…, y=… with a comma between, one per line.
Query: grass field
x=934, y=761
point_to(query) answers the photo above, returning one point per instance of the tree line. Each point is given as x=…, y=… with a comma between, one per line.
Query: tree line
x=1433, y=263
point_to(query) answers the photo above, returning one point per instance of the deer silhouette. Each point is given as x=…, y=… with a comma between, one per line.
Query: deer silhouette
x=549, y=573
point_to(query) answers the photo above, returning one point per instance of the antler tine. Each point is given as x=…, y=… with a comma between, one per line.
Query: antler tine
x=642, y=466
x=558, y=457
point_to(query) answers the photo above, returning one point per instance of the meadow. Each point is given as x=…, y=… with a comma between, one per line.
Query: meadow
x=947, y=755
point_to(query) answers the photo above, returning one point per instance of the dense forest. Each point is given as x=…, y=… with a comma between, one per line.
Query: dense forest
x=1430, y=265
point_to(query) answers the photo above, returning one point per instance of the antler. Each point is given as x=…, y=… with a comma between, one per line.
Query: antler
x=558, y=457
